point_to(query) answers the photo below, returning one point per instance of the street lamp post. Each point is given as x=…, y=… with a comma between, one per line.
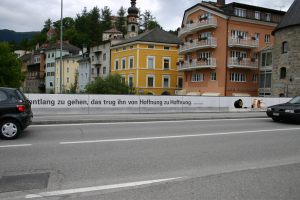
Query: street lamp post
x=61, y=45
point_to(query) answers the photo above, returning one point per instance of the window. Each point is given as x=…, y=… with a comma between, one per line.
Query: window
x=123, y=79
x=104, y=70
x=197, y=77
x=68, y=69
x=51, y=84
x=213, y=76
x=266, y=59
x=151, y=46
x=123, y=63
x=268, y=17
x=166, y=63
x=257, y=15
x=254, y=78
x=68, y=79
x=52, y=55
x=237, y=77
x=239, y=34
x=116, y=64
x=285, y=47
x=150, y=81
x=3, y=96
x=282, y=73
x=150, y=62
x=166, y=81
x=93, y=58
x=267, y=38
x=179, y=82
x=130, y=81
x=166, y=48
x=256, y=36
x=93, y=70
x=124, y=48
x=130, y=62
x=104, y=56
x=265, y=79
x=240, y=12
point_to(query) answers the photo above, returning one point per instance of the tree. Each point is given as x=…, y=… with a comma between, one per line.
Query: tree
x=10, y=67
x=106, y=21
x=112, y=84
x=121, y=21
x=47, y=26
x=74, y=86
x=147, y=21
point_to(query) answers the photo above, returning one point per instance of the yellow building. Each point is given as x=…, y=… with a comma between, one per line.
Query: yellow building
x=148, y=62
x=69, y=72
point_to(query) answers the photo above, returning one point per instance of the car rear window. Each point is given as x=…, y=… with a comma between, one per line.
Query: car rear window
x=3, y=96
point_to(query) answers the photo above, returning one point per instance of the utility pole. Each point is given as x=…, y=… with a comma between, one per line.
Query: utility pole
x=61, y=46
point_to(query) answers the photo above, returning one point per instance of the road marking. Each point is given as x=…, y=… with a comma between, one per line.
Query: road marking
x=177, y=136
x=97, y=188
x=15, y=145
x=145, y=122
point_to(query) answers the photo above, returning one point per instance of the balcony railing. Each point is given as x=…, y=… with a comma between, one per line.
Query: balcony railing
x=210, y=22
x=242, y=42
x=204, y=43
x=246, y=63
x=198, y=64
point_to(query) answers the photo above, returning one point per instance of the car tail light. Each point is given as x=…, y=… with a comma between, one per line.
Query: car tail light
x=21, y=108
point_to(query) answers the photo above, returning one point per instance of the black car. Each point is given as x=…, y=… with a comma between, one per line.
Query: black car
x=15, y=113
x=289, y=111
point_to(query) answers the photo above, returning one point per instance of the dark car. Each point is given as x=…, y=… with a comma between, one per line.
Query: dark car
x=289, y=111
x=15, y=113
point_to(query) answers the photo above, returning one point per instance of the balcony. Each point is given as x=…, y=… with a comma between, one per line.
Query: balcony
x=195, y=45
x=203, y=24
x=242, y=42
x=244, y=63
x=203, y=63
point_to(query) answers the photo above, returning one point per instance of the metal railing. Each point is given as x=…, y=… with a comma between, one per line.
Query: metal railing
x=210, y=42
x=198, y=64
x=210, y=22
x=247, y=63
x=242, y=42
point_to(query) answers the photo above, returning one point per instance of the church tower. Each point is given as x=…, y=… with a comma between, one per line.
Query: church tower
x=132, y=20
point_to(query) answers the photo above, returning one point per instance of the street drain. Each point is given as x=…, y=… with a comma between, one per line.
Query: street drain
x=24, y=182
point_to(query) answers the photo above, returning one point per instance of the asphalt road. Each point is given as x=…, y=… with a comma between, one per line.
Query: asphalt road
x=197, y=159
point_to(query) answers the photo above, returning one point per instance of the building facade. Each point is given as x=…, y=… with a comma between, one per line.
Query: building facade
x=286, y=54
x=220, y=44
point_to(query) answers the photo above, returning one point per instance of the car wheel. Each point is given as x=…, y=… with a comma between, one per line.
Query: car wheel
x=276, y=119
x=10, y=129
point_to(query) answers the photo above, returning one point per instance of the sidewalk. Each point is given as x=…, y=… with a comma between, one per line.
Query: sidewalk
x=107, y=118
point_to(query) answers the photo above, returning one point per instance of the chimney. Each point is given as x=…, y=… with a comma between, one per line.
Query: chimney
x=220, y=3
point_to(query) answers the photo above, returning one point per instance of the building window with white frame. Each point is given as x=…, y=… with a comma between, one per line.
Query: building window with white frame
x=116, y=64
x=240, y=12
x=150, y=62
x=237, y=77
x=213, y=76
x=254, y=78
x=257, y=15
x=130, y=81
x=131, y=62
x=166, y=63
x=268, y=17
x=166, y=81
x=150, y=81
x=123, y=63
x=267, y=38
x=197, y=77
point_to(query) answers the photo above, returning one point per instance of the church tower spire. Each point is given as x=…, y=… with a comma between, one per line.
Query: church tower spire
x=132, y=20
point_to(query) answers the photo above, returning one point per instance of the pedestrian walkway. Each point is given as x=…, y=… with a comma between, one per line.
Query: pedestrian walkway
x=105, y=118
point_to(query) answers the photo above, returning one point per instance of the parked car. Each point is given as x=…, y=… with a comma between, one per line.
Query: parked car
x=15, y=113
x=289, y=111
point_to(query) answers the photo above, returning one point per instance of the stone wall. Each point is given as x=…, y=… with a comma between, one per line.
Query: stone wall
x=289, y=86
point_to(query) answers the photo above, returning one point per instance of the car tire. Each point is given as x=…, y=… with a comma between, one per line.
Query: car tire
x=276, y=119
x=10, y=129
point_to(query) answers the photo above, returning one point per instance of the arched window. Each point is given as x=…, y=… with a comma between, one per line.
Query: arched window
x=285, y=47
x=282, y=73
x=133, y=28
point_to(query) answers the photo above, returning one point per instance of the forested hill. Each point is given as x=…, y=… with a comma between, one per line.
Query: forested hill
x=9, y=35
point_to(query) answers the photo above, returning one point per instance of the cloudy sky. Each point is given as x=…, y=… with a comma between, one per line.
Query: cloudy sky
x=30, y=15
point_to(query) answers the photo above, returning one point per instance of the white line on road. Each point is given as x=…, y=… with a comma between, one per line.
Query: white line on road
x=97, y=188
x=144, y=122
x=178, y=136
x=15, y=145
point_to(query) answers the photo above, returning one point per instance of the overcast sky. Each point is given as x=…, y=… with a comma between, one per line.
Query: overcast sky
x=30, y=15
